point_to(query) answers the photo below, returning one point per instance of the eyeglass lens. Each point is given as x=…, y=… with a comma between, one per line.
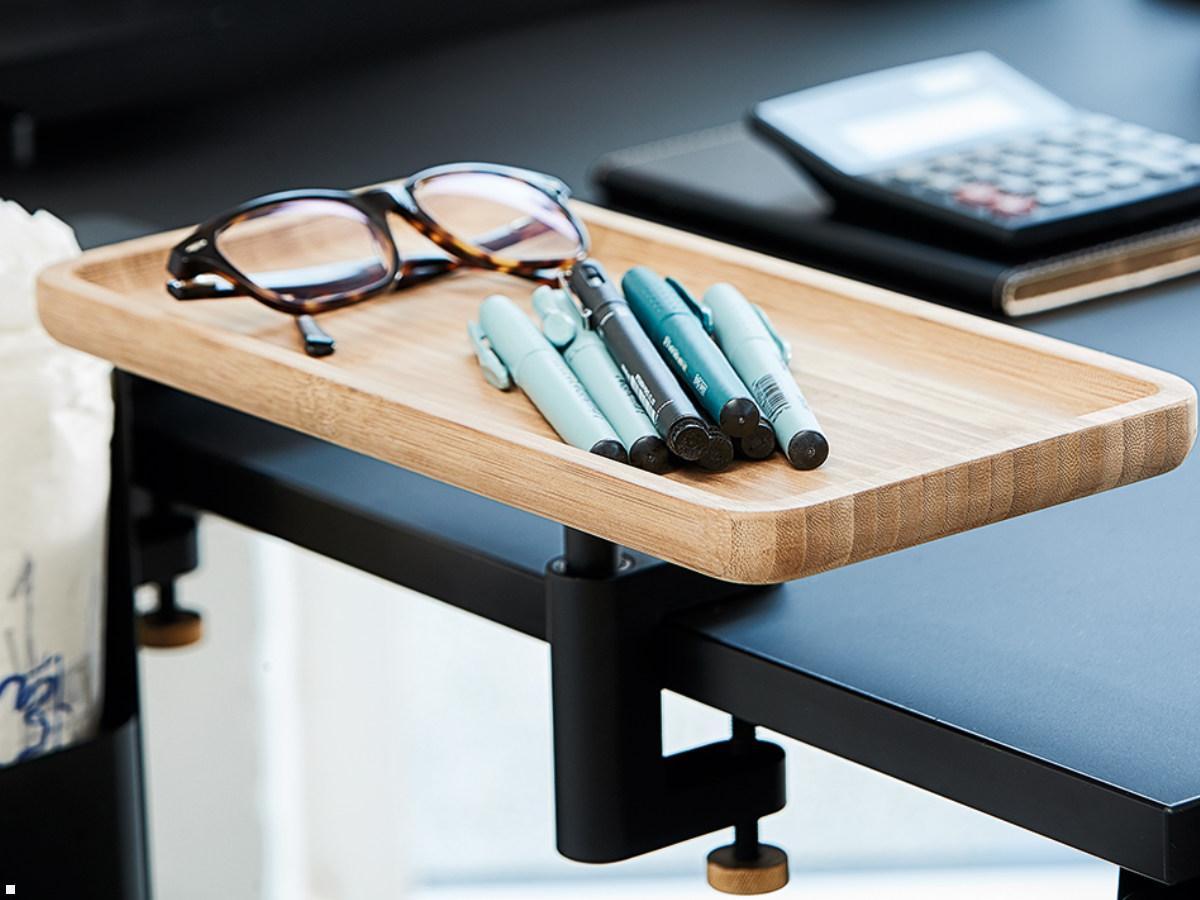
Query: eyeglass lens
x=307, y=249
x=506, y=218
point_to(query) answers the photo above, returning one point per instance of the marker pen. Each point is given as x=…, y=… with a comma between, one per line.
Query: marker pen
x=760, y=444
x=673, y=321
x=664, y=400
x=760, y=357
x=719, y=455
x=585, y=355
x=517, y=349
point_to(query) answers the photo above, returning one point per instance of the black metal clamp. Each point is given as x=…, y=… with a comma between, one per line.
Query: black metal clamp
x=166, y=549
x=617, y=795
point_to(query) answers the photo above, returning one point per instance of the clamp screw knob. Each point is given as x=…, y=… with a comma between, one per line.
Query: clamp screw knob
x=733, y=874
x=169, y=626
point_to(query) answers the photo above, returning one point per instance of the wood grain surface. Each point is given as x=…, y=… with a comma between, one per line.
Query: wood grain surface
x=938, y=421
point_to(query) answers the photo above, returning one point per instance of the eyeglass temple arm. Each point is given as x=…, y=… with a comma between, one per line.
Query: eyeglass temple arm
x=521, y=229
x=203, y=287
x=425, y=266
x=317, y=341
x=210, y=286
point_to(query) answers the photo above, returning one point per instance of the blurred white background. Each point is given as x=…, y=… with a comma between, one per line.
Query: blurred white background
x=336, y=737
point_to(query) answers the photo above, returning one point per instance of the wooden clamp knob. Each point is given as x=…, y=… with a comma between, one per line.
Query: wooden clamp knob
x=766, y=872
x=170, y=628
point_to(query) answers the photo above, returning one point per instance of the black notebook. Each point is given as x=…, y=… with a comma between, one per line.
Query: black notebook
x=729, y=184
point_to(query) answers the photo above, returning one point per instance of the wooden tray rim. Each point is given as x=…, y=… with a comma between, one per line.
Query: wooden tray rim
x=1170, y=392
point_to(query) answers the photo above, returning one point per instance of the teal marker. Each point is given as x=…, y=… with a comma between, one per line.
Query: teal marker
x=586, y=356
x=761, y=358
x=675, y=324
x=510, y=349
x=759, y=445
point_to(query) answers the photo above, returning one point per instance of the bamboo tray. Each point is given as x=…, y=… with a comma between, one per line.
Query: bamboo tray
x=938, y=421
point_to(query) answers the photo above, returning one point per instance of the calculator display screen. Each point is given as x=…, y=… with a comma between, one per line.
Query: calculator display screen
x=925, y=126
x=873, y=122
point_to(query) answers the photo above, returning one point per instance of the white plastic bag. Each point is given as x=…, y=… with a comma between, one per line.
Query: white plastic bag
x=55, y=427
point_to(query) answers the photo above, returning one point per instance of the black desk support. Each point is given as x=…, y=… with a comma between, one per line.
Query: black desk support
x=604, y=616
x=621, y=628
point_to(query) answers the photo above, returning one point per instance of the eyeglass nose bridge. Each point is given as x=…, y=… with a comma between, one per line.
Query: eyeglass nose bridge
x=390, y=198
x=475, y=250
x=396, y=199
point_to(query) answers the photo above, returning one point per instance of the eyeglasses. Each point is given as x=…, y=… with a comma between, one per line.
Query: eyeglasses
x=311, y=251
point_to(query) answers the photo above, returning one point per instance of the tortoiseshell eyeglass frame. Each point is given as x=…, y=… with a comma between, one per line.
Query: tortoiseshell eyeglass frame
x=202, y=272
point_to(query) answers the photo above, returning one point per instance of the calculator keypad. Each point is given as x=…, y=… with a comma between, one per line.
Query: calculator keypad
x=1090, y=163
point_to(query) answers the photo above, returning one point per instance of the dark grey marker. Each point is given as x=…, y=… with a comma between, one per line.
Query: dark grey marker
x=719, y=455
x=666, y=402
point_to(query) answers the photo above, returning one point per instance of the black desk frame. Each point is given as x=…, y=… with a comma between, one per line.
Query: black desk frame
x=612, y=620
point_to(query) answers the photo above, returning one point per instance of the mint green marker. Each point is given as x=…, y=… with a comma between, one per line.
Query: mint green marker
x=760, y=357
x=585, y=355
x=511, y=350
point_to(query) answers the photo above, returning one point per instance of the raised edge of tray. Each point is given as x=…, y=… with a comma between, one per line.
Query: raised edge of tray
x=761, y=523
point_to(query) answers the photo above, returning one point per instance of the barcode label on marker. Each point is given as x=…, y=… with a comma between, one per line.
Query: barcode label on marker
x=770, y=396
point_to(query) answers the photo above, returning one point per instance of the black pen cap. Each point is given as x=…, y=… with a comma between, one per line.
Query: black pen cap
x=688, y=438
x=739, y=417
x=760, y=444
x=649, y=452
x=807, y=449
x=719, y=454
x=610, y=449
x=590, y=283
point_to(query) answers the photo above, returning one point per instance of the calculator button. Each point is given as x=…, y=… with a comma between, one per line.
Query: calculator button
x=1015, y=184
x=1053, y=195
x=1191, y=155
x=1164, y=169
x=910, y=174
x=1060, y=134
x=976, y=194
x=1013, y=205
x=1088, y=187
x=1056, y=154
x=1157, y=165
x=1124, y=177
x=1091, y=163
x=1100, y=146
x=1123, y=148
x=1098, y=122
x=951, y=162
x=1051, y=174
x=1166, y=142
x=1023, y=147
x=1018, y=166
x=989, y=153
x=941, y=182
x=1127, y=131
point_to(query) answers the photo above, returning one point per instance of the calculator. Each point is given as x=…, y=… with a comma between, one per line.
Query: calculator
x=966, y=142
